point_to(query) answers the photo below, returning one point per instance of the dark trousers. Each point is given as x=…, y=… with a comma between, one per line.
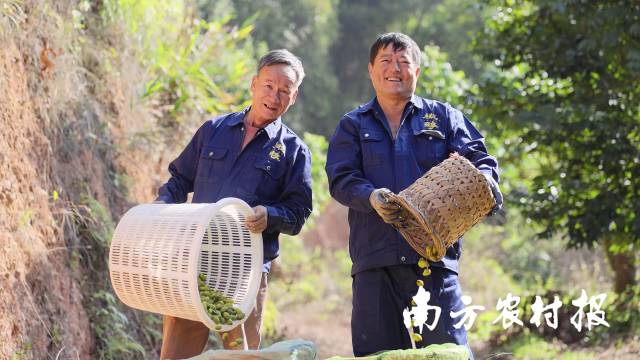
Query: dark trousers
x=379, y=298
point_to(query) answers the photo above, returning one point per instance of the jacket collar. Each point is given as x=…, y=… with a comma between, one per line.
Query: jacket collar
x=373, y=104
x=238, y=118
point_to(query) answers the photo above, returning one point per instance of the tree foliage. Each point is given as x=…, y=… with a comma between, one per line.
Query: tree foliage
x=318, y=146
x=438, y=80
x=306, y=28
x=359, y=24
x=196, y=66
x=566, y=87
x=451, y=26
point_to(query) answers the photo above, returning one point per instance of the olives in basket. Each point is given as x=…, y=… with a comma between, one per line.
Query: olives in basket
x=219, y=307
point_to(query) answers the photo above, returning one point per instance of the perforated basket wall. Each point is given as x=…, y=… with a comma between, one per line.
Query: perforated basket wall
x=158, y=250
x=442, y=205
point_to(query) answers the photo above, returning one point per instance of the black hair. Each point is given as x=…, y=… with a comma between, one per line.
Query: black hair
x=399, y=41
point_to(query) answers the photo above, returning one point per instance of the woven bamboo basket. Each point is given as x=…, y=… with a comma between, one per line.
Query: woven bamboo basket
x=442, y=205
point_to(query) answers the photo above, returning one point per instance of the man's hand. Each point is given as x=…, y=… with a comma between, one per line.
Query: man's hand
x=257, y=222
x=389, y=211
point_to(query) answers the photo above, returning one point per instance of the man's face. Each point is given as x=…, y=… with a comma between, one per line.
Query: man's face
x=394, y=73
x=273, y=91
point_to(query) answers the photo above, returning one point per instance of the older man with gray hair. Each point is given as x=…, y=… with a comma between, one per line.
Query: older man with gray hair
x=253, y=156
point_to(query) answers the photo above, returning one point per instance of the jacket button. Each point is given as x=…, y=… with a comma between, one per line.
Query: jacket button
x=211, y=153
x=366, y=135
x=268, y=167
x=403, y=259
x=430, y=137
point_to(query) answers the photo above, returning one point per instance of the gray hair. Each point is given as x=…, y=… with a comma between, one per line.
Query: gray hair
x=283, y=56
x=399, y=41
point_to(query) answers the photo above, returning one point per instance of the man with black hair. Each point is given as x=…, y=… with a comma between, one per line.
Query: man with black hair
x=383, y=146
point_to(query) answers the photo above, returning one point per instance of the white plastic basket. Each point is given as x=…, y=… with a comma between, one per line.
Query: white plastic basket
x=158, y=250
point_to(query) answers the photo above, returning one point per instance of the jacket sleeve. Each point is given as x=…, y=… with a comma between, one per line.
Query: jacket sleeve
x=295, y=204
x=347, y=183
x=183, y=170
x=467, y=141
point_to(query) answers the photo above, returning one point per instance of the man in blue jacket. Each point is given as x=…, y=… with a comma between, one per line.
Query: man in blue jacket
x=253, y=156
x=385, y=145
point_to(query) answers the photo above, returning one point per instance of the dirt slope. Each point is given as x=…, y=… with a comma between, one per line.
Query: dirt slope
x=61, y=121
x=40, y=302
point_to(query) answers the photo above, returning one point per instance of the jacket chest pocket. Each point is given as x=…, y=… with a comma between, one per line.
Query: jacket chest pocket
x=211, y=164
x=372, y=145
x=271, y=174
x=431, y=149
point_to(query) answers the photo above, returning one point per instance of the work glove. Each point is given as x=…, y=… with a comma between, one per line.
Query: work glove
x=257, y=222
x=497, y=195
x=389, y=211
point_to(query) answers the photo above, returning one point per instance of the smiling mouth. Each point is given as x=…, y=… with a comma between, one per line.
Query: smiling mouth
x=270, y=108
x=392, y=79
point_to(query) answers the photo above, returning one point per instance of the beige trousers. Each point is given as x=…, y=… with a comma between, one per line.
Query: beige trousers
x=183, y=338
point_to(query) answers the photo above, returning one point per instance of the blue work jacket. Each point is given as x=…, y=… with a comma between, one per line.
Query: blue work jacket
x=363, y=156
x=273, y=170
